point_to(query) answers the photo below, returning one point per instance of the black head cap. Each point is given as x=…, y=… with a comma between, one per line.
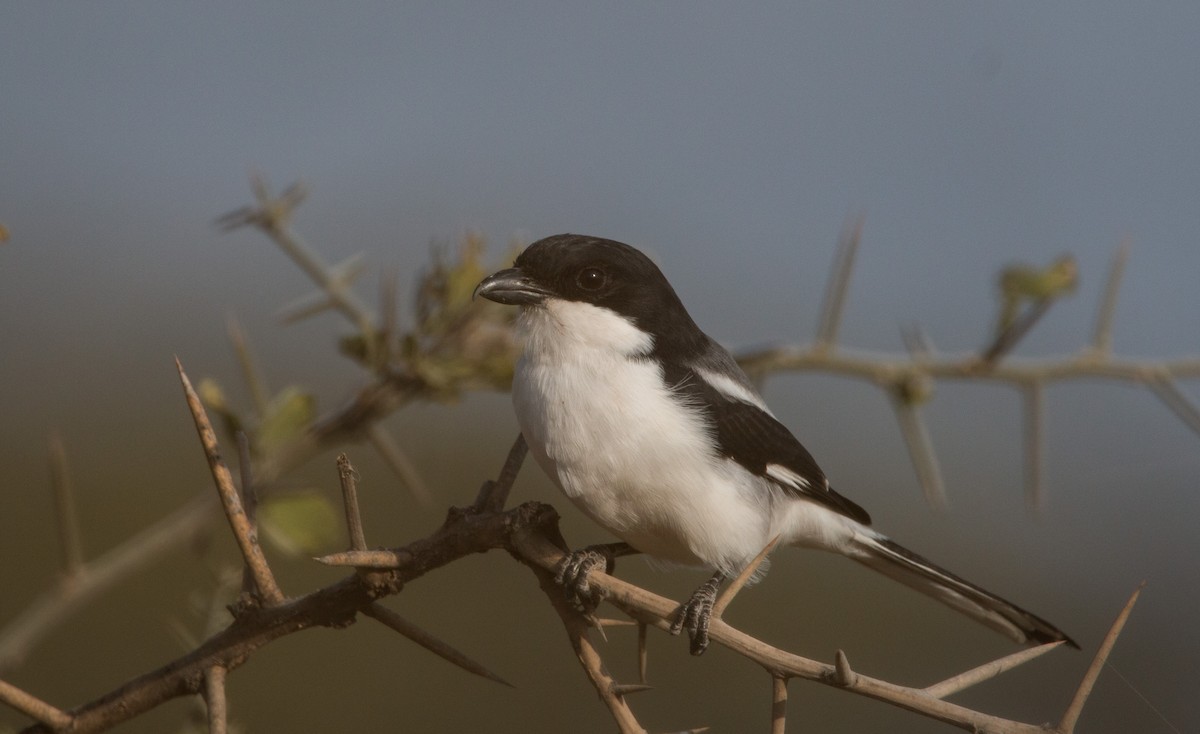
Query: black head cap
x=600, y=272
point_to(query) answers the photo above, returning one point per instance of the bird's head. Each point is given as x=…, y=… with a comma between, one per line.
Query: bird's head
x=587, y=270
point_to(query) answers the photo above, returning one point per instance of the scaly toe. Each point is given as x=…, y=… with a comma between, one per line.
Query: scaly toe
x=696, y=614
x=572, y=575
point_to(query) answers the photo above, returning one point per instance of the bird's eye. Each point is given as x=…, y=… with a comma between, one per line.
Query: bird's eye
x=591, y=279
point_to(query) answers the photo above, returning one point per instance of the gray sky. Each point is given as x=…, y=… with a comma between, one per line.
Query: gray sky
x=730, y=142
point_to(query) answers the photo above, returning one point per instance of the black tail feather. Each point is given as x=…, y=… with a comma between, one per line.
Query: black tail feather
x=894, y=560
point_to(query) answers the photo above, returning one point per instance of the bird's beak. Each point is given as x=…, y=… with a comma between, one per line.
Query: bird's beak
x=511, y=287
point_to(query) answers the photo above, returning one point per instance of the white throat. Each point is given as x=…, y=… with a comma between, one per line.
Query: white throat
x=569, y=329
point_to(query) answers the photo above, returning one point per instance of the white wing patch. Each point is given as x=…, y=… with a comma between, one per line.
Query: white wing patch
x=733, y=389
x=784, y=475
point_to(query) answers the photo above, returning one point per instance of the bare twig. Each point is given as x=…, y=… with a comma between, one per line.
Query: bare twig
x=726, y=596
x=1067, y=724
x=69, y=536
x=365, y=559
x=1006, y=340
x=494, y=494
x=341, y=278
x=273, y=217
x=1169, y=393
x=397, y=623
x=34, y=707
x=1102, y=338
x=214, y=696
x=920, y=449
x=838, y=284
x=779, y=697
x=628, y=689
x=399, y=463
x=259, y=393
x=909, y=391
x=577, y=626
x=883, y=369
x=348, y=478
x=990, y=670
x=643, y=652
x=231, y=500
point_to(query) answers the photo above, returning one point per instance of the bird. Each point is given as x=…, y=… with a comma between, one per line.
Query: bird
x=651, y=428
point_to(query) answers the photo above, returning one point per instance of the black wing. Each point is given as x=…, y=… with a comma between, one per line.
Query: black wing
x=756, y=440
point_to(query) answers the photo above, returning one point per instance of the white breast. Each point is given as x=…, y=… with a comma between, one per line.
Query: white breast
x=597, y=420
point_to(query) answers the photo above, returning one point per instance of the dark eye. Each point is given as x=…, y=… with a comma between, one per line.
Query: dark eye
x=591, y=279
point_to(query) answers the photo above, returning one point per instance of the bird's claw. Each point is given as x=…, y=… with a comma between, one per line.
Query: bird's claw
x=573, y=572
x=695, y=615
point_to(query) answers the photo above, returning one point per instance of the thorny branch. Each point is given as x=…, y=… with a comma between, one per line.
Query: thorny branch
x=910, y=380
x=100, y=574
x=657, y=611
x=456, y=347
x=231, y=499
x=336, y=605
x=530, y=533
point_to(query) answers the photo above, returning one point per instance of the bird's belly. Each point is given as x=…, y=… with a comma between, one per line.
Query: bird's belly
x=638, y=461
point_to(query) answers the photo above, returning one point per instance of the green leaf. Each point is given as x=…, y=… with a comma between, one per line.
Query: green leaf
x=287, y=416
x=1056, y=279
x=303, y=523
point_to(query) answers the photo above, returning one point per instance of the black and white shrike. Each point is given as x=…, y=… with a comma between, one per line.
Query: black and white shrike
x=652, y=429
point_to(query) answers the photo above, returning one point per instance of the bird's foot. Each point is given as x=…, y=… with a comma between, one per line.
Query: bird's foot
x=696, y=614
x=573, y=572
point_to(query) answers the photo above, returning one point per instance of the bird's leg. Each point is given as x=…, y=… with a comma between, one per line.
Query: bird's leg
x=696, y=613
x=573, y=572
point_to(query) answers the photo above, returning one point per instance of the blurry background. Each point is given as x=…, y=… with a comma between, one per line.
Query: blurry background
x=730, y=144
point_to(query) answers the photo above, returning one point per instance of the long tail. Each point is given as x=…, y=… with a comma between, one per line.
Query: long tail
x=896, y=561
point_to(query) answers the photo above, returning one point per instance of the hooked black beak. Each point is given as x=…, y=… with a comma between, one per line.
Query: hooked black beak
x=512, y=288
